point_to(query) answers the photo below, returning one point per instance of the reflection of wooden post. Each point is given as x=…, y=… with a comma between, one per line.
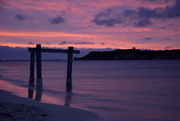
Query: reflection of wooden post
x=31, y=77
x=69, y=69
x=68, y=99
x=38, y=95
x=39, y=83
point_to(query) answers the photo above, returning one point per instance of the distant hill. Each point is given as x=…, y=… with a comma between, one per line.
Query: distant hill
x=132, y=54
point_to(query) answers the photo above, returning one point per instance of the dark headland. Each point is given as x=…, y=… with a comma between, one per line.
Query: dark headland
x=132, y=54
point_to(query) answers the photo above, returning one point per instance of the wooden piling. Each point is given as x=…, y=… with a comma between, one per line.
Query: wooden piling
x=31, y=77
x=69, y=69
x=39, y=83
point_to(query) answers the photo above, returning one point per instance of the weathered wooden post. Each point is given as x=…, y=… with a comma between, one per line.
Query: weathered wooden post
x=39, y=83
x=31, y=77
x=69, y=69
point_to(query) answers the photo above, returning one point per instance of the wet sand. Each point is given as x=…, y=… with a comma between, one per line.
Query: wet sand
x=22, y=109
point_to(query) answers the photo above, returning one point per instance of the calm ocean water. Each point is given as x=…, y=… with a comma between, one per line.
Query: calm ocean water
x=136, y=90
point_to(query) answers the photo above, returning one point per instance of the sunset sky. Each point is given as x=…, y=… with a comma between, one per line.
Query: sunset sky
x=90, y=24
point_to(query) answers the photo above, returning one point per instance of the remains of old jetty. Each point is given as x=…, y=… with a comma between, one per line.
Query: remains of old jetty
x=37, y=51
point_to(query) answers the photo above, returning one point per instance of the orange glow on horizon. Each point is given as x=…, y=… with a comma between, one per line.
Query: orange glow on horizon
x=42, y=34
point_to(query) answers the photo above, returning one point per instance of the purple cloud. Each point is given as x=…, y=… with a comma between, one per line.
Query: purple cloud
x=168, y=47
x=107, y=18
x=31, y=43
x=148, y=38
x=63, y=43
x=142, y=23
x=57, y=20
x=83, y=43
x=21, y=17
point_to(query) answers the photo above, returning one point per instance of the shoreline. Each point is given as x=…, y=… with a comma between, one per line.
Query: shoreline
x=17, y=108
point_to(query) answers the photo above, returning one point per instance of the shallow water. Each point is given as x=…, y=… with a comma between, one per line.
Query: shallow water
x=135, y=90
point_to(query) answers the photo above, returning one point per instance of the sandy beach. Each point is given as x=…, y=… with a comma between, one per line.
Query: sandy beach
x=22, y=109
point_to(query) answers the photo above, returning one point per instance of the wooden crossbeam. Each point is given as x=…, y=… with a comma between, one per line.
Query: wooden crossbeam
x=53, y=50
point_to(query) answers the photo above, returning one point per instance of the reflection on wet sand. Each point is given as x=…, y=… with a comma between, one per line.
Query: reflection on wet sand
x=30, y=93
x=38, y=95
x=68, y=98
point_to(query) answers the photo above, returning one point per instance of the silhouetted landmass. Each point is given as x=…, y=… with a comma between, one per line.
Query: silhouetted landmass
x=132, y=54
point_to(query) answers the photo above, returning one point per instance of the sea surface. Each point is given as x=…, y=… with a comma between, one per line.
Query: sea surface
x=123, y=90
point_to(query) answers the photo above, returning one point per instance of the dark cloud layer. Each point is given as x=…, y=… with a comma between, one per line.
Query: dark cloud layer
x=57, y=20
x=106, y=18
x=138, y=18
x=21, y=17
x=156, y=1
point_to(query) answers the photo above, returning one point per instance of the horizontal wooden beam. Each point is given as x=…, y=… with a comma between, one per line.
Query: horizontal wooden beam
x=53, y=50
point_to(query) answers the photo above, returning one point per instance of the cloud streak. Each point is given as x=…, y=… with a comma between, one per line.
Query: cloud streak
x=31, y=43
x=76, y=43
x=148, y=38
